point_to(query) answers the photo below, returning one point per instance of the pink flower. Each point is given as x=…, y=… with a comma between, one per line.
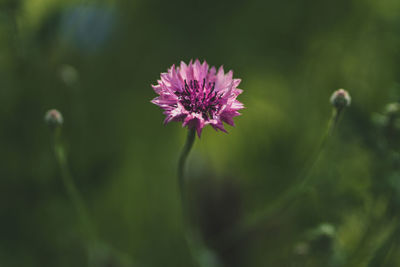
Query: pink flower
x=198, y=95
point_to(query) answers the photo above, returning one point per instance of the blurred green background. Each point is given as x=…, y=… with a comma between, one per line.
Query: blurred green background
x=95, y=62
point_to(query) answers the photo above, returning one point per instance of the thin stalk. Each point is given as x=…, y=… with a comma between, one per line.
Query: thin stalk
x=190, y=235
x=193, y=238
x=243, y=228
x=384, y=253
x=96, y=250
x=191, y=136
x=70, y=187
x=305, y=176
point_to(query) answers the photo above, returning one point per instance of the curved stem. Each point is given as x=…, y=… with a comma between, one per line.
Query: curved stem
x=305, y=176
x=96, y=250
x=384, y=251
x=70, y=187
x=191, y=136
x=193, y=239
x=232, y=235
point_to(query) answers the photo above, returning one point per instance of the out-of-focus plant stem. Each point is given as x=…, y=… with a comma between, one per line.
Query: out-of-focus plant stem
x=385, y=251
x=96, y=249
x=259, y=218
x=71, y=189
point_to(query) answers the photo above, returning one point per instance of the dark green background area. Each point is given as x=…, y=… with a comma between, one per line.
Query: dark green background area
x=95, y=62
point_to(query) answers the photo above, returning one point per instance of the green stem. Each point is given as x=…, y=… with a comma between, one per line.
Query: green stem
x=191, y=136
x=306, y=176
x=244, y=227
x=94, y=247
x=193, y=239
x=70, y=187
x=385, y=251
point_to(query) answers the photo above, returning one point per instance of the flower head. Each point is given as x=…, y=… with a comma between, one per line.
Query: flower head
x=53, y=118
x=340, y=99
x=198, y=95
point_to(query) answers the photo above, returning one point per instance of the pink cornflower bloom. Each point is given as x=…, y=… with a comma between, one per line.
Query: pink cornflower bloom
x=198, y=95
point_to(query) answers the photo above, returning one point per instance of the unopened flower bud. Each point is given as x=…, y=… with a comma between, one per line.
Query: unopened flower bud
x=392, y=117
x=69, y=75
x=340, y=99
x=392, y=109
x=53, y=118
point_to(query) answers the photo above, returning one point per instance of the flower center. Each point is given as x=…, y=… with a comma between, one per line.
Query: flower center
x=199, y=98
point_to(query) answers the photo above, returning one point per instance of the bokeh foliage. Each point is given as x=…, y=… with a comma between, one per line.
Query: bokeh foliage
x=95, y=61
